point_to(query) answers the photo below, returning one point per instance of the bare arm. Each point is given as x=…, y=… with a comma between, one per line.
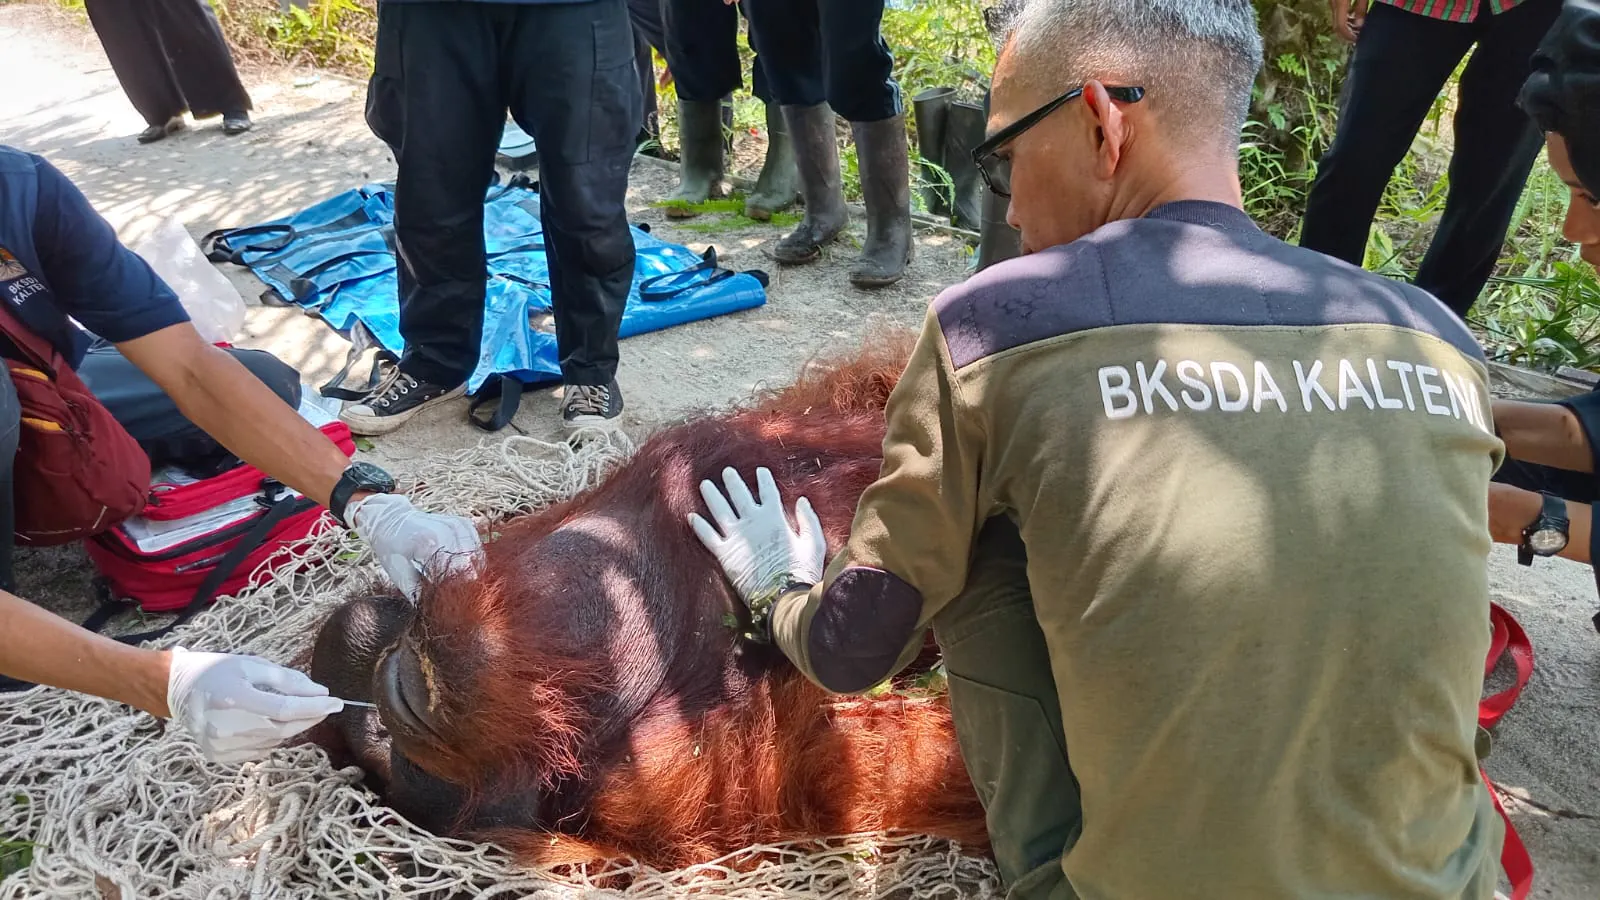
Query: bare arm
x=38, y=646
x=1512, y=509
x=1543, y=433
x=219, y=395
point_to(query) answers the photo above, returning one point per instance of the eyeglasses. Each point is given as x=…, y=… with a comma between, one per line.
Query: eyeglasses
x=996, y=171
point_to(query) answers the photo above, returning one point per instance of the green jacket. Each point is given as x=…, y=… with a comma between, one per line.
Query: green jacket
x=1252, y=482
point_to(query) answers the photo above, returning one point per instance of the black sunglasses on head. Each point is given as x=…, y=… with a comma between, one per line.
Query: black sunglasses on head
x=996, y=172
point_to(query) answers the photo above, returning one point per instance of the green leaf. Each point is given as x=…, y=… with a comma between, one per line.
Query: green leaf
x=364, y=445
x=15, y=856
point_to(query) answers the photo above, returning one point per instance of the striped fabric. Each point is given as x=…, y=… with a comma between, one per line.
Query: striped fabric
x=1451, y=10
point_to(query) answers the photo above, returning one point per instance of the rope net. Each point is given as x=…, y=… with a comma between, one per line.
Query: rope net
x=112, y=804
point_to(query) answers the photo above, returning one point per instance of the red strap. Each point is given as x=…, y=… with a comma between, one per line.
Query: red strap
x=1514, y=856
x=1508, y=637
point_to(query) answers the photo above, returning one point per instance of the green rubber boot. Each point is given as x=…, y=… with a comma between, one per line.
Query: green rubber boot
x=778, y=186
x=699, y=158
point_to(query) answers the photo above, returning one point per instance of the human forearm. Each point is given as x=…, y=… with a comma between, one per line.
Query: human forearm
x=40, y=647
x=1512, y=509
x=1543, y=433
x=220, y=396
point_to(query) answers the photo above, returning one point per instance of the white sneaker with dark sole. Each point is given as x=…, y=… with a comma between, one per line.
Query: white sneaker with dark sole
x=395, y=401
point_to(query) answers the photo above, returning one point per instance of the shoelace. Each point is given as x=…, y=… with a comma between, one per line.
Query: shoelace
x=589, y=400
x=393, y=386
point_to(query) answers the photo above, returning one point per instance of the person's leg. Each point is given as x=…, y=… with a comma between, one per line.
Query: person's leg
x=145, y=411
x=703, y=54
x=10, y=424
x=572, y=87
x=1008, y=715
x=202, y=63
x=436, y=98
x=1495, y=149
x=787, y=36
x=649, y=35
x=861, y=88
x=133, y=45
x=1401, y=62
x=778, y=186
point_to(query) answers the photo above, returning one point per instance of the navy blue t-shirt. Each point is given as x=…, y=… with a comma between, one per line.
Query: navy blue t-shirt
x=60, y=261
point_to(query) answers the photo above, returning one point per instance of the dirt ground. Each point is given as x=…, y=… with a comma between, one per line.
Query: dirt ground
x=311, y=142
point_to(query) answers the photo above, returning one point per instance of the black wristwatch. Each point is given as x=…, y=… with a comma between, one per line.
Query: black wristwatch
x=359, y=477
x=1547, y=535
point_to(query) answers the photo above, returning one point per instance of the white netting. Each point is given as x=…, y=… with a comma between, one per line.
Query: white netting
x=116, y=806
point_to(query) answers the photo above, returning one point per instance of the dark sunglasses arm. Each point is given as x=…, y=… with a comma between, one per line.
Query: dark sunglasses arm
x=999, y=138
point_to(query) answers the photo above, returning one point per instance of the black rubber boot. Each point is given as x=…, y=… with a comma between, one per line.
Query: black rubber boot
x=699, y=156
x=932, y=111
x=817, y=159
x=997, y=240
x=964, y=128
x=886, y=188
x=778, y=185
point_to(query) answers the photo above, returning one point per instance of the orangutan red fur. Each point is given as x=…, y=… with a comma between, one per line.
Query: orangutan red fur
x=588, y=695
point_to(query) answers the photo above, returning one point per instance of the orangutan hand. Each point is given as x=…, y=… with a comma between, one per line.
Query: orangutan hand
x=757, y=549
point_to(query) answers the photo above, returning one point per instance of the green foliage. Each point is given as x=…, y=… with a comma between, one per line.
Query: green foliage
x=723, y=214
x=14, y=857
x=335, y=34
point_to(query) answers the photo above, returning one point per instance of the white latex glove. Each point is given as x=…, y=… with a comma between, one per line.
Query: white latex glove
x=408, y=541
x=757, y=548
x=219, y=699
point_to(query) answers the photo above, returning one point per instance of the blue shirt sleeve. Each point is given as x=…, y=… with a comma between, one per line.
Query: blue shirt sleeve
x=108, y=288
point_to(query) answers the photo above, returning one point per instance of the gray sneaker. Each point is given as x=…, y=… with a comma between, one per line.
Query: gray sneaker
x=591, y=406
x=395, y=401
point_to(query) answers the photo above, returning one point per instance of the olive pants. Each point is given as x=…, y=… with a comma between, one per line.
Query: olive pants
x=1008, y=718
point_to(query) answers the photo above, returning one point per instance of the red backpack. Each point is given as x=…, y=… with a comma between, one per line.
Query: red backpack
x=78, y=471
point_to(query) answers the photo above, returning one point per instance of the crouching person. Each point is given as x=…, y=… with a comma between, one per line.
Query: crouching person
x=1542, y=499
x=1198, y=517
x=68, y=469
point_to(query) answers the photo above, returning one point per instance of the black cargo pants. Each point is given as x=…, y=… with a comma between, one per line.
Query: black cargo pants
x=826, y=50
x=445, y=74
x=1402, y=60
x=703, y=51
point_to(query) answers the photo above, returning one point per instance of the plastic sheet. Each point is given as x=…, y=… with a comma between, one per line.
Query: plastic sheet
x=337, y=259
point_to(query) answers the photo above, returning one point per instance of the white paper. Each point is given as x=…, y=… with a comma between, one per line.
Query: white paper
x=156, y=535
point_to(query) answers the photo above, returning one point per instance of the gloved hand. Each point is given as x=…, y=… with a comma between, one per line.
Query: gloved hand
x=756, y=547
x=218, y=699
x=407, y=540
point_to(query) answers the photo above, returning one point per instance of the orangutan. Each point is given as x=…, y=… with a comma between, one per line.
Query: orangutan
x=590, y=697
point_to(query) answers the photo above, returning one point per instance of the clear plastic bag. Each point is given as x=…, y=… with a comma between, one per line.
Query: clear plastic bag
x=211, y=300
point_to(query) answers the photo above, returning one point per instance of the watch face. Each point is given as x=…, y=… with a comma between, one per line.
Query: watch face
x=370, y=477
x=1547, y=541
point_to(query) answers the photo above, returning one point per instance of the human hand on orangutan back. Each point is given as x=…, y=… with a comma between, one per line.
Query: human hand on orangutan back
x=758, y=549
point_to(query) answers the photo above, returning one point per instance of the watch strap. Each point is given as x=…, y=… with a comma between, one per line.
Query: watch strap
x=356, y=478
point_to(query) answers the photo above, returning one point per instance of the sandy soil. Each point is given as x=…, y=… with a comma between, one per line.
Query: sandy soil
x=311, y=141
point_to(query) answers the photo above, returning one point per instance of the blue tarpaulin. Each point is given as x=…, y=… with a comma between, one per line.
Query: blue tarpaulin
x=337, y=259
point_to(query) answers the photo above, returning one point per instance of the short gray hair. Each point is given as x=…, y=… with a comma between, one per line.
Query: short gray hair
x=1197, y=59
